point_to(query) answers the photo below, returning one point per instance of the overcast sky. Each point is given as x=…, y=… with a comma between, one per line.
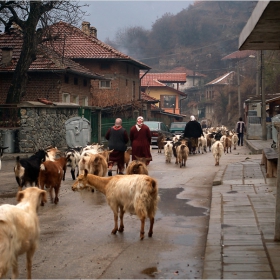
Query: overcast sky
x=110, y=16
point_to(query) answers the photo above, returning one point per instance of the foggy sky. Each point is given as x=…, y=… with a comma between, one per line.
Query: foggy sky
x=110, y=16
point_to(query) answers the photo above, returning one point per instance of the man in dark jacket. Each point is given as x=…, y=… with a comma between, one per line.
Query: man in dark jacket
x=118, y=138
x=193, y=131
x=240, y=128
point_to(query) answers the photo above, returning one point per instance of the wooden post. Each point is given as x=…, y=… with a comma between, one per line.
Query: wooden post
x=277, y=212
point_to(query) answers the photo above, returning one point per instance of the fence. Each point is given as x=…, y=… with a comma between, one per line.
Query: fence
x=106, y=123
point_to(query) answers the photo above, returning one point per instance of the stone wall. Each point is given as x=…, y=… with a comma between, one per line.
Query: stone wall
x=40, y=127
x=43, y=127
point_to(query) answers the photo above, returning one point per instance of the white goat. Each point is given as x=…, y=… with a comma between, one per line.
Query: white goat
x=168, y=151
x=137, y=194
x=19, y=230
x=234, y=140
x=217, y=150
x=202, y=144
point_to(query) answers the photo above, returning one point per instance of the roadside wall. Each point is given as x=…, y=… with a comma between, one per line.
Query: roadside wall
x=39, y=128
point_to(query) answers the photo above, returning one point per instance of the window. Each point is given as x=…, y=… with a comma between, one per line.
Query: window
x=85, y=82
x=66, y=97
x=76, y=99
x=126, y=82
x=104, y=84
x=168, y=101
x=66, y=79
x=76, y=81
x=84, y=101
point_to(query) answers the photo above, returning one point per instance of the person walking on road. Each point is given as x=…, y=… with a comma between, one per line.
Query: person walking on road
x=240, y=129
x=193, y=131
x=117, y=139
x=140, y=137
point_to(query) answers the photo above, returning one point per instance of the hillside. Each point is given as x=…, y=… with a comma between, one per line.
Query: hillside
x=196, y=38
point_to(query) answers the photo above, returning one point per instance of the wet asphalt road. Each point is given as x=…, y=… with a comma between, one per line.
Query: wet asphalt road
x=76, y=240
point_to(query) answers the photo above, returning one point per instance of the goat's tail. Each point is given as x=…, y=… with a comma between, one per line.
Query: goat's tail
x=7, y=258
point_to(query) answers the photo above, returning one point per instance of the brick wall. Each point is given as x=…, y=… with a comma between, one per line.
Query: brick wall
x=48, y=85
x=123, y=75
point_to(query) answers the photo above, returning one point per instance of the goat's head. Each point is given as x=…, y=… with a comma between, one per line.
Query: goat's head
x=81, y=182
x=33, y=195
x=41, y=154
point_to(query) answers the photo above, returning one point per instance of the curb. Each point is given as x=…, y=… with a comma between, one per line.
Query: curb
x=14, y=156
x=218, y=179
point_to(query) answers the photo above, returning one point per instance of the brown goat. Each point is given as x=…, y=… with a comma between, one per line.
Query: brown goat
x=160, y=142
x=138, y=166
x=127, y=156
x=50, y=176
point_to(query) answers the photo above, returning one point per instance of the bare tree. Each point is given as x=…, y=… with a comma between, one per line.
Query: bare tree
x=32, y=19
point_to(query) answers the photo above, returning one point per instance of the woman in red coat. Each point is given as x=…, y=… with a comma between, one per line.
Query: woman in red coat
x=140, y=137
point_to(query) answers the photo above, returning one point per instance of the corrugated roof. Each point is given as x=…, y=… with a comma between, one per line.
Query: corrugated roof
x=239, y=54
x=222, y=80
x=189, y=73
x=73, y=43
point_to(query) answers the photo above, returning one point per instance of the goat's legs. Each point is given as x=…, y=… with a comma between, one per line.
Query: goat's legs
x=72, y=173
x=115, y=229
x=142, y=232
x=121, y=228
x=29, y=256
x=152, y=220
x=56, y=190
x=15, y=269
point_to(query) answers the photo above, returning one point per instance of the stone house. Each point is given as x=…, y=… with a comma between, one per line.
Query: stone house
x=157, y=86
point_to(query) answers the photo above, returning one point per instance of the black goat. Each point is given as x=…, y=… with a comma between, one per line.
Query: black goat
x=27, y=169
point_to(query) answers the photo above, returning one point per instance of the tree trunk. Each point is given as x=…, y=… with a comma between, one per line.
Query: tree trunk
x=27, y=56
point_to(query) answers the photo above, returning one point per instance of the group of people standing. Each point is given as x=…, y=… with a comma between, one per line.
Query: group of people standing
x=140, y=138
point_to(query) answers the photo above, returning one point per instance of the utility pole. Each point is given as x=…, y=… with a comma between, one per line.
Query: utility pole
x=258, y=74
x=238, y=89
x=263, y=113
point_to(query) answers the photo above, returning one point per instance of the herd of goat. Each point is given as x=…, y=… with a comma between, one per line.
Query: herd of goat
x=135, y=193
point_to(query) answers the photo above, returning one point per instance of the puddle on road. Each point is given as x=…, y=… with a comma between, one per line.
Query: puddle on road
x=170, y=205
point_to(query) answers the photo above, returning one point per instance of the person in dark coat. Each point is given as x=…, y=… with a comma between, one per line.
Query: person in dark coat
x=240, y=128
x=193, y=131
x=117, y=139
x=140, y=137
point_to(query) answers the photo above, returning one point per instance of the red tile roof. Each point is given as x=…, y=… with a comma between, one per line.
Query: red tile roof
x=73, y=43
x=148, y=98
x=240, y=54
x=157, y=79
x=189, y=73
x=46, y=59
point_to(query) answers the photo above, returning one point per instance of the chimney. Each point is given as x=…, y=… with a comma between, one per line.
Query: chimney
x=86, y=27
x=7, y=54
x=93, y=32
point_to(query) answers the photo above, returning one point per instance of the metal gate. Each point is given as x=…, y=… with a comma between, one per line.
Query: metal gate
x=106, y=123
x=78, y=132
